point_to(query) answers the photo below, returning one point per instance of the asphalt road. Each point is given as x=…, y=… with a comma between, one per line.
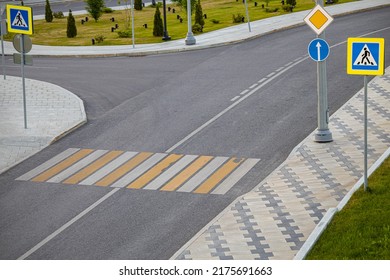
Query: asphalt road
x=150, y=104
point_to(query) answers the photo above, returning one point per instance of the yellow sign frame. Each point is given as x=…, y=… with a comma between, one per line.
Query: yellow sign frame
x=381, y=57
x=29, y=22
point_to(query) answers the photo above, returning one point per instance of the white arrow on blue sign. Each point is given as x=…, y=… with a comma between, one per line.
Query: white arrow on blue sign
x=318, y=49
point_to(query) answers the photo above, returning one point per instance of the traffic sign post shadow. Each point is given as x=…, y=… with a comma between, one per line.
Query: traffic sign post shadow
x=366, y=56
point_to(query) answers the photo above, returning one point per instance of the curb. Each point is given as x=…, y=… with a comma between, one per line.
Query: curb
x=79, y=124
x=199, y=47
x=322, y=225
x=83, y=120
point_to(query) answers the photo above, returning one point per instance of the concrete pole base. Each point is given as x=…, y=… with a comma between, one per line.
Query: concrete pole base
x=190, y=39
x=323, y=136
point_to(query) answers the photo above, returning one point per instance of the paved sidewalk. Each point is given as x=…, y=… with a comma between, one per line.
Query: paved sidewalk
x=220, y=37
x=275, y=219
x=51, y=112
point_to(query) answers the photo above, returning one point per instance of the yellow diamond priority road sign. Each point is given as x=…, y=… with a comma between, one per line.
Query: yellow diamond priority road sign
x=318, y=19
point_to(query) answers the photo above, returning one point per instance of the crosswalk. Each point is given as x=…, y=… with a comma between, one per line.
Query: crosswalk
x=197, y=174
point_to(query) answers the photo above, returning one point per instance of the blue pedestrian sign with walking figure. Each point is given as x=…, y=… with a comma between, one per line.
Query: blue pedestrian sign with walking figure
x=20, y=19
x=318, y=49
x=365, y=56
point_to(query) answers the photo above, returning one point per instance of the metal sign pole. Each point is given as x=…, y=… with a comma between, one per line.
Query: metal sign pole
x=23, y=79
x=365, y=134
x=323, y=133
x=132, y=23
x=2, y=43
x=247, y=15
x=2, y=56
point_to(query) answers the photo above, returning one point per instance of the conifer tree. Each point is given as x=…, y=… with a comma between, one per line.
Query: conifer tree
x=158, y=29
x=95, y=8
x=138, y=5
x=199, y=14
x=71, y=30
x=48, y=12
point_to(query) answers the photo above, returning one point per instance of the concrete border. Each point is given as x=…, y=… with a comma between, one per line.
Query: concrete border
x=322, y=225
x=222, y=37
x=65, y=129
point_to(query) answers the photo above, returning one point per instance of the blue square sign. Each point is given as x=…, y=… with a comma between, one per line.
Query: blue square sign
x=365, y=56
x=20, y=19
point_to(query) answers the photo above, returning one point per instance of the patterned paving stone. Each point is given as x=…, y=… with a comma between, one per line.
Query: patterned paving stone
x=275, y=219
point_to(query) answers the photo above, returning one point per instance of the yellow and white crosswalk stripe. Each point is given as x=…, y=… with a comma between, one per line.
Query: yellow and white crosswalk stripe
x=144, y=170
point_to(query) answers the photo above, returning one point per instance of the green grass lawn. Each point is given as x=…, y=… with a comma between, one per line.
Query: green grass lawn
x=221, y=11
x=361, y=231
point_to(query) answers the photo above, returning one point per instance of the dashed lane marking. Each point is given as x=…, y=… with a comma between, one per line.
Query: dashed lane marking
x=197, y=174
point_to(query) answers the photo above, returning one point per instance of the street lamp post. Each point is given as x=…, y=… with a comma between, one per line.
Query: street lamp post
x=165, y=35
x=190, y=40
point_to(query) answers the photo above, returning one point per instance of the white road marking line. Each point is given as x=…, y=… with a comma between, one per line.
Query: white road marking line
x=270, y=74
x=77, y=166
x=170, y=173
x=138, y=171
x=65, y=226
x=262, y=80
x=252, y=86
x=107, y=169
x=280, y=68
x=235, y=98
x=288, y=64
x=237, y=174
x=203, y=174
x=244, y=91
x=48, y=164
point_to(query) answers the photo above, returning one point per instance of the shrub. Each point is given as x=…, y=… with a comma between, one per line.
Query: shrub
x=107, y=10
x=138, y=5
x=291, y=2
x=58, y=15
x=238, y=18
x=197, y=28
x=214, y=21
x=125, y=33
x=288, y=8
x=271, y=10
x=99, y=39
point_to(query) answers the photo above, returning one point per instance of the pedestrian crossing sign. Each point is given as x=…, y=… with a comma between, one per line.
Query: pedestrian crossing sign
x=366, y=56
x=20, y=19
